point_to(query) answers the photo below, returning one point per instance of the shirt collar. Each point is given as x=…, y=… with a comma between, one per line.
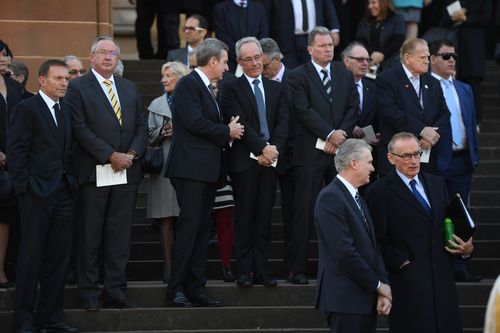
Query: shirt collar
x=49, y=101
x=360, y=83
x=251, y=79
x=101, y=78
x=408, y=73
x=279, y=76
x=352, y=190
x=442, y=79
x=407, y=180
x=204, y=78
x=319, y=68
x=238, y=2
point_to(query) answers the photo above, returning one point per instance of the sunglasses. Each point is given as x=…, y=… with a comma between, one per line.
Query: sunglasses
x=76, y=71
x=447, y=56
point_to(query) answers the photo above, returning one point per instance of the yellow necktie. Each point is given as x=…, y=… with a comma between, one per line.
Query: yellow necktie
x=114, y=101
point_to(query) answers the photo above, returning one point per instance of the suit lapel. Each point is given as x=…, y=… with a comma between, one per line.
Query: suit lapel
x=248, y=92
x=400, y=188
x=205, y=91
x=47, y=116
x=408, y=87
x=317, y=80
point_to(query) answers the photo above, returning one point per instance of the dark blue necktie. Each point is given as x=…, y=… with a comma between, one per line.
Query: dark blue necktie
x=261, y=107
x=420, y=198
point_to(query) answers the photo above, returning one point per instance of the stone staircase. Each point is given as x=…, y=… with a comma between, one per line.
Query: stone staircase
x=287, y=308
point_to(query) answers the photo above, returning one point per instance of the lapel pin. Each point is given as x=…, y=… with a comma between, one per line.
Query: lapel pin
x=426, y=86
x=407, y=86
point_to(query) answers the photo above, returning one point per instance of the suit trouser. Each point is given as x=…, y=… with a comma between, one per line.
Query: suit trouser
x=196, y=199
x=287, y=191
x=104, y=217
x=351, y=322
x=308, y=182
x=254, y=194
x=46, y=232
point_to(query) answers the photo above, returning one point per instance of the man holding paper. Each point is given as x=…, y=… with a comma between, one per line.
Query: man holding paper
x=324, y=100
x=408, y=208
x=110, y=130
x=410, y=100
x=262, y=107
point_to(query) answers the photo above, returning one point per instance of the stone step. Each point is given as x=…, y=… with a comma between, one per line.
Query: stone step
x=490, y=126
x=490, y=99
x=488, y=167
x=489, y=139
x=489, y=182
x=142, y=65
x=489, y=153
x=486, y=198
x=491, y=112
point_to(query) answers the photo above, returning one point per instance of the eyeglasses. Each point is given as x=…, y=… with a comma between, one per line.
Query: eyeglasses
x=447, y=56
x=256, y=58
x=408, y=156
x=360, y=59
x=187, y=28
x=76, y=71
x=111, y=53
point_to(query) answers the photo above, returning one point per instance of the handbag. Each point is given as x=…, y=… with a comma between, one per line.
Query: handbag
x=153, y=160
x=5, y=185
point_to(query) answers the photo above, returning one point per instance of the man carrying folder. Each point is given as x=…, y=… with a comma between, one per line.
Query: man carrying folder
x=408, y=208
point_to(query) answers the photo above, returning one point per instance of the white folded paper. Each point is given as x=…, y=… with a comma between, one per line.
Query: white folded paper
x=256, y=158
x=426, y=155
x=369, y=134
x=106, y=176
x=453, y=7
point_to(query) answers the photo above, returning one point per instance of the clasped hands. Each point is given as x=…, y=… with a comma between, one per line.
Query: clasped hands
x=384, y=300
x=121, y=161
x=429, y=137
x=334, y=141
x=269, y=156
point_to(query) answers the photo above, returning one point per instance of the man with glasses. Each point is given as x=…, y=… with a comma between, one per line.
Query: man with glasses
x=262, y=106
x=462, y=156
x=409, y=99
x=408, y=208
x=324, y=100
x=356, y=59
x=75, y=67
x=195, y=31
x=110, y=129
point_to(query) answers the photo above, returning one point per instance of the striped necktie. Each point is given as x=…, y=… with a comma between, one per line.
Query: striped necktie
x=327, y=83
x=114, y=101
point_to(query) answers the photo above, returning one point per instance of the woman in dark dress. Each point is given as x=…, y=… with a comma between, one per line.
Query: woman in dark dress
x=382, y=31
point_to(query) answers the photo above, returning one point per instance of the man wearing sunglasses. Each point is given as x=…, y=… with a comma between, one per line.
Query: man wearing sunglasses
x=195, y=30
x=75, y=67
x=461, y=158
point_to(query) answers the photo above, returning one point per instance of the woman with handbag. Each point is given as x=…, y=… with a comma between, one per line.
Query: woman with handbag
x=10, y=95
x=162, y=205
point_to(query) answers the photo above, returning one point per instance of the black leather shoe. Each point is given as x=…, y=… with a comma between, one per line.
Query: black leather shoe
x=244, y=280
x=227, y=274
x=71, y=279
x=265, y=280
x=91, y=304
x=464, y=276
x=120, y=303
x=180, y=300
x=7, y=285
x=58, y=327
x=204, y=300
x=299, y=278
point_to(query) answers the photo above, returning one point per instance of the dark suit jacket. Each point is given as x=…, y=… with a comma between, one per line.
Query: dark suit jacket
x=399, y=110
x=468, y=111
x=199, y=135
x=424, y=295
x=97, y=131
x=14, y=96
x=283, y=23
x=228, y=20
x=316, y=116
x=350, y=264
x=38, y=155
x=238, y=99
x=369, y=108
x=180, y=55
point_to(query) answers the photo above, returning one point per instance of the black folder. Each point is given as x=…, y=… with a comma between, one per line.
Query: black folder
x=461, y=218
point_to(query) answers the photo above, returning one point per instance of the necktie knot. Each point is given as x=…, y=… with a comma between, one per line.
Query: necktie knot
x=325, y=73
x=256, y=82
x=108, y=82
x=243, y=4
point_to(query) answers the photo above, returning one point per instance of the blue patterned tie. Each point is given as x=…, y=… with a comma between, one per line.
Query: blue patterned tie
x=455, y=117
x=259, y=98
x=420, y=198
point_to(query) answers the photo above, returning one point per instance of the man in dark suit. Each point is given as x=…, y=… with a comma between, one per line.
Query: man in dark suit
x=261, y=105
x=40, y=164
x=196, y=168
x=195, y=29
x=461, y=158
x=409, y=99
x=235, y=19
x=408, y=208
x=110, y=129
x=352, y=280
x=292, y=21
x=274, y=69
x=356, y=59
x=324, y=100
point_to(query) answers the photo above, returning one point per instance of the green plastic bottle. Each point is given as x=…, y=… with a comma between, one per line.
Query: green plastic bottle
x=449, y=230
